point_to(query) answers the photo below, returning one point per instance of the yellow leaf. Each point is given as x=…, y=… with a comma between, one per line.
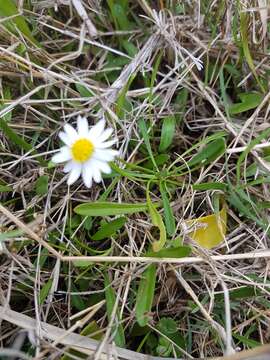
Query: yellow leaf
x=209, y=231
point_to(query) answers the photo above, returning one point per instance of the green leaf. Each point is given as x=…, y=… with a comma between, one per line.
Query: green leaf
x=82, y=263
x=130, y=174
x=5, y=188
x=177, y=252
x=247, y=341
x=117, y=329
x=92, y=330
x=168, y=213
x=77, y=300
x=248, y=101
x=130, y=48
x=6, y=96
x=157, y=221
x=10, y=234
x=121, y=17
x=122, y=103
x=109, y=208
x=264, y=134
x=154, y=76
x=245, y=206
x=210, y=152
x=244, y=31
x=241, y=293
x=167, y=326
x=145, y=295
x=145, y=135
x=160, y=160
x=210, y=186
x=181, y=103
x=84, y=92
x=45, y=291
x=109, y=229
x=41, y=186
x=88, y=223
x=7, y=9
x=167, y=133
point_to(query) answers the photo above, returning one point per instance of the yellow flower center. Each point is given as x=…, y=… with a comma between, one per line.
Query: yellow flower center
x=82, y=150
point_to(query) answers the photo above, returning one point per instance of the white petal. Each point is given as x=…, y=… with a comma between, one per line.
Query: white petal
x=71, y=132
x=105, y=155
x=97, y=175
x=68, y=166
x=87, y=175
x=65, y=138
x=101, y=165
x=74, y=173
x=105, y=144
x=97, y=130
x=62, y=156
x=82, y=124
x=105, y=135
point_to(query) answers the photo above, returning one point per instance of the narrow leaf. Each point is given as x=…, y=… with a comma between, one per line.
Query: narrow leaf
x=13, y=137
x=210, y=186
x=168, y=213
x=210, y=152
x=109, y=208
x=157, y=221
x=145, y=295
x=167, y=133
x=244, y=31
x=84, y=92
x=5, y=188
x=117, y=329
x=143, y=129
x=45, y=291
x=177, y=252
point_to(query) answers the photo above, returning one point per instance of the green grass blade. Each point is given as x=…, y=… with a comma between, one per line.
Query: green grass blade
x=168, y=213
x=144, y=132
x=118, y=330
x=5, y=188
x=210, y=186
x=167, y=133
x=145, y=295
x=244, y=31
x=45, y=291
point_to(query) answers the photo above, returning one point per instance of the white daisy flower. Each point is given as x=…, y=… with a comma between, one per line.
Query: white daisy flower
x=86, y=152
